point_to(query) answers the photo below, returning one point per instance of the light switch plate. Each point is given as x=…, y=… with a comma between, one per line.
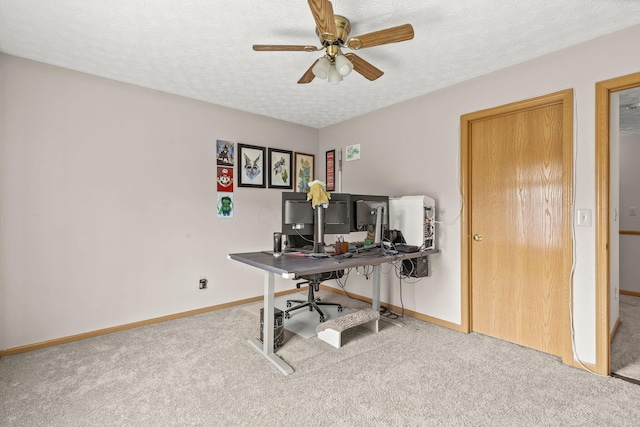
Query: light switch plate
x=583, y=217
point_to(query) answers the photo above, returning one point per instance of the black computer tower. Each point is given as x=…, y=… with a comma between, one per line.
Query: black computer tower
x=278, y=327
x=416, y=267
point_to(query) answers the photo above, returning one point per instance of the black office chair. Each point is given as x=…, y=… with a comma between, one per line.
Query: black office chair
x=314, y=286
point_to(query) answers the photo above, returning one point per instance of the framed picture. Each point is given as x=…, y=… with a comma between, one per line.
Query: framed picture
x=331, y=170
x=225, y=205
x=353, y=152
x=280, y=169
x=304, y=170
x=225, y=153
x=225, y=180
x=251, y=166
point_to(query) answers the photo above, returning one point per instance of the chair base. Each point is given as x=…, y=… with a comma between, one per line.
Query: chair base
x=312, y=302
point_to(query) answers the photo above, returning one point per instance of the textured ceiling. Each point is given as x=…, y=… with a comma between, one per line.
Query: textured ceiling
x=201, y=49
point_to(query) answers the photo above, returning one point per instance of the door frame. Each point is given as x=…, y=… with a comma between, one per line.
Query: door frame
x=603, y=295
x=565, y=98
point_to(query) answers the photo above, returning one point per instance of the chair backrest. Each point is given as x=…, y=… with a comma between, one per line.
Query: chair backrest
x=321, y=277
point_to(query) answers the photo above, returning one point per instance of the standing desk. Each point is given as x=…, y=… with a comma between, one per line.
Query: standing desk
x=290, y=266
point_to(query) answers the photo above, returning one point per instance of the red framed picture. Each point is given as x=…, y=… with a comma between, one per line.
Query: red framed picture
x=331, y=170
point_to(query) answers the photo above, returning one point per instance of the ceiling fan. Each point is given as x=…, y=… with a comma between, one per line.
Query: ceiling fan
x=333, y=31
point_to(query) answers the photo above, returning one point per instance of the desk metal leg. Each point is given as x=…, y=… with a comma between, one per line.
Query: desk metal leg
x=266, y=347
x=375, y=297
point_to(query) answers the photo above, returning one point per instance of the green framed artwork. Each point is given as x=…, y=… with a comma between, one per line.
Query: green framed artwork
x=304, y=170
x=280, y=169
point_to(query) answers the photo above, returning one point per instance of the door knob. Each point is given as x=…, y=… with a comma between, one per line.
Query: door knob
x=477, y=237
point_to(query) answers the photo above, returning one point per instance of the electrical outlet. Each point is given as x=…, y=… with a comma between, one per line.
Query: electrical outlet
x=202, y=284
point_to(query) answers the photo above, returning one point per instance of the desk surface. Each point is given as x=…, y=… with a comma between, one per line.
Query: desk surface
x=291, y=265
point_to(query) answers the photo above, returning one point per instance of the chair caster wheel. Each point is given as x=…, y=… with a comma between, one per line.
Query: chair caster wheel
x=288, y=304
x=339, y=308
x=287, y=316
x=321, y=319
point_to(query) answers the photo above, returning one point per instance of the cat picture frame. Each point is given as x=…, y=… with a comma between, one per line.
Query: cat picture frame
x=304, y=171
x=251, y=166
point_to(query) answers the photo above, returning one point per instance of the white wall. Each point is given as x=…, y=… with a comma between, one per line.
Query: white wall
x=412, y=148
x=108, y=203
x=629, y=197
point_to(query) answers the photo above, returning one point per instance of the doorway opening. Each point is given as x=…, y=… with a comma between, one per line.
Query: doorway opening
x=604, y=293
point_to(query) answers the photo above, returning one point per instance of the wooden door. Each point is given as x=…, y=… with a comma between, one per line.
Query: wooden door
x=518, y=227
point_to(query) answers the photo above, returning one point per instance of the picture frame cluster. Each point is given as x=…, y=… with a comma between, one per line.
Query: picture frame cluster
x=285, y=169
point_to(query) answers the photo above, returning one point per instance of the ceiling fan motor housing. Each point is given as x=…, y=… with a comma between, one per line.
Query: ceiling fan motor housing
x=343, y=28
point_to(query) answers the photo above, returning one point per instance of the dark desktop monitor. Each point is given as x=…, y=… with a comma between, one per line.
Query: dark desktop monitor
x=298, y=217
x=371, y=213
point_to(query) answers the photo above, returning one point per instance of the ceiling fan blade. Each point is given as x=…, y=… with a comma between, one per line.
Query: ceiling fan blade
x=322, y=11
x=283, y=47
x=308, y=76
x=363, y=67
x=377, y=38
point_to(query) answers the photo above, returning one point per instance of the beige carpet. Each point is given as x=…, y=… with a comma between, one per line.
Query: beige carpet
x=625, y=346
x=201, y=371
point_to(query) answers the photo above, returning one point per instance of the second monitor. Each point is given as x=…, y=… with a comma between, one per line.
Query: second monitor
x=371, y=215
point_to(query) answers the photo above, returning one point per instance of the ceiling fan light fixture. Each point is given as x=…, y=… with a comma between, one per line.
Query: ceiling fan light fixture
x=343, y=65
x=321, y=69
x=334, y=75
x=333, y=32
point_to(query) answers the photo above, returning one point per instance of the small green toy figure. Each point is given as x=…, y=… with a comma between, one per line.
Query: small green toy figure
x=225, y=206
